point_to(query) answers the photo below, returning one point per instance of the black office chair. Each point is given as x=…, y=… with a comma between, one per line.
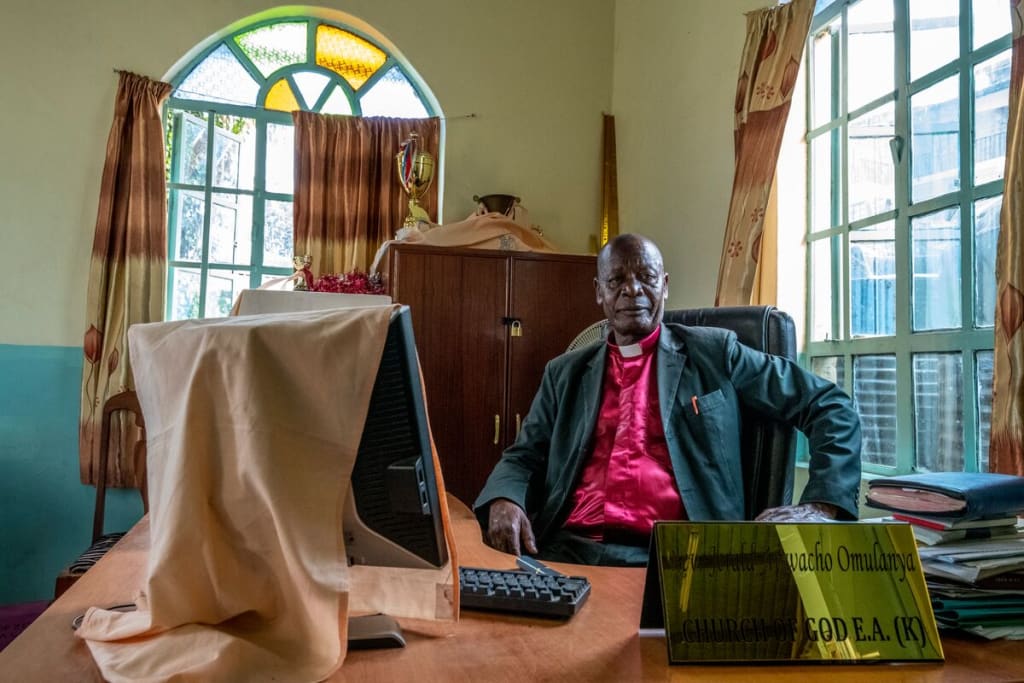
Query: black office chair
x=769, y=449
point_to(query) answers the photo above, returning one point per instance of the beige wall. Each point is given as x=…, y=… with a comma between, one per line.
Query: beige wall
x=536, y=73
x=676, y=67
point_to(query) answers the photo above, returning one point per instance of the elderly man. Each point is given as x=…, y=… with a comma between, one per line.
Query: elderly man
x=645, y=427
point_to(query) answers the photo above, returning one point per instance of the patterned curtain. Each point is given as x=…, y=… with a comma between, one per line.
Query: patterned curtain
x=1006, y=451
x=127, y=272
x=348, y=199
x=768, y=74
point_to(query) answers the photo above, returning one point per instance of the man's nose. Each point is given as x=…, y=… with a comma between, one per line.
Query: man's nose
x=631, y=287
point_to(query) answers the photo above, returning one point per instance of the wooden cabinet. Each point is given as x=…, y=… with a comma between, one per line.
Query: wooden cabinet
x=480, y=379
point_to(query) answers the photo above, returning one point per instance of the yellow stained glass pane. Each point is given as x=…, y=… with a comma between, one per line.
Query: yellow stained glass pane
x=281, y=97
x=351, y=57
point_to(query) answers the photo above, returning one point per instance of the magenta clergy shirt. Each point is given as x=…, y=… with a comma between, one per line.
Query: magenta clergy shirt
x=627, y=484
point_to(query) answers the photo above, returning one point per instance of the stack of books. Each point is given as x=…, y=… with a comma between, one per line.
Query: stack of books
x=970, y=541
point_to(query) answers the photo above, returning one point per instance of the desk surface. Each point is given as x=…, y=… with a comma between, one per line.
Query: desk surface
x=598, y=644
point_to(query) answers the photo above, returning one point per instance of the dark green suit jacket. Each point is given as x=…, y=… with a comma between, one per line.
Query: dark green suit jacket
x=540, y=470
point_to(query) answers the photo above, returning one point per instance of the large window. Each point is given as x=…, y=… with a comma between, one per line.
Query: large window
x=230, y=146
x=907, y=110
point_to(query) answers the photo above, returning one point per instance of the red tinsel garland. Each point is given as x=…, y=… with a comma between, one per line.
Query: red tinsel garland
x=353, y=282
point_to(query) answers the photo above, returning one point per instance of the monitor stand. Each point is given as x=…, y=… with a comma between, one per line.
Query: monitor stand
x=374, y=631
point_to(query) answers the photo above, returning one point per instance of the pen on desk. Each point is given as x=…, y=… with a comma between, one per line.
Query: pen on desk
x=693, y=400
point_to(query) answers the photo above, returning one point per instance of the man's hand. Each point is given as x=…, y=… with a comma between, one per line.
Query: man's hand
x=508, y=528
x=808, y=512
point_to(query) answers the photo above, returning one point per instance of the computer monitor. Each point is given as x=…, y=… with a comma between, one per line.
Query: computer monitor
x=392, y=515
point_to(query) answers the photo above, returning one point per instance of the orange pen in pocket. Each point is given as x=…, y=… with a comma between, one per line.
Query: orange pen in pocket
x=693, y=400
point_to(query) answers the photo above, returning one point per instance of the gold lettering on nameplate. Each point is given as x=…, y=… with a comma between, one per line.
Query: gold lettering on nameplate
x=792, y=592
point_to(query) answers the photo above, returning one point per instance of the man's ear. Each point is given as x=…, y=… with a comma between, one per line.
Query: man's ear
x=597, y=291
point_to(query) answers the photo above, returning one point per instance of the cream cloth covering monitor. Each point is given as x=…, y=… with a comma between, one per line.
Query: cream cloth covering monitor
x=253, y=425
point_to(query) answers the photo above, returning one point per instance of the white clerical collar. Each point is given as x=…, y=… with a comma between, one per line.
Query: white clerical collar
x=630, y=350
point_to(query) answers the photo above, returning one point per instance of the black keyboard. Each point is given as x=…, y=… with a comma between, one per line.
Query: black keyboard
x=520, y=592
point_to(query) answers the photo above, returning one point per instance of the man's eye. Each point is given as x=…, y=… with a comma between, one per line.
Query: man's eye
x=614, y=282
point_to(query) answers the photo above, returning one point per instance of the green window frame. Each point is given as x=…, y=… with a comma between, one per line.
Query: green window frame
x=905, y=181
x=230, y=144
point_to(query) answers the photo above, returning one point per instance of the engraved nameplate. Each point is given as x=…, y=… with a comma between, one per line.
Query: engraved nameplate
x=756, y=591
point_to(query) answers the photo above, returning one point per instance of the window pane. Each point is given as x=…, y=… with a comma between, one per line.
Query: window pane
x=392, y=95
x=938, y=412
x=190, y=148
x=230, y=228
x=871, y=172
x=184, y=293
x=337, y=103
x=311, y=85
x=983, y=373
x=234, y=152
x=934, y=35
x=219, y=78
x=280, y=158
x=831, y=368
x=281, y=97
x=986, y=232
x=936, y=288
x=821, y=109
x=823, y=290
x=870, y=58
x=991, y=112
x=222, y=288
x=822, y=181
x=873, y=280
x=874, y=392
x=991, y=20
x=188, y=209
x=273, y=47
x=935, y=146
x=278, y=234
x=348, y=55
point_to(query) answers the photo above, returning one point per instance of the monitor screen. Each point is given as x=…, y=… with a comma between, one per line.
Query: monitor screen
x=392, y=514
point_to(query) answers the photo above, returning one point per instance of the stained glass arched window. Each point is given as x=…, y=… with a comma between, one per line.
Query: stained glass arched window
x=230, y=146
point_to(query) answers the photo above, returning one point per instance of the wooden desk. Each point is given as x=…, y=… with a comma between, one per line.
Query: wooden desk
x=598, y=644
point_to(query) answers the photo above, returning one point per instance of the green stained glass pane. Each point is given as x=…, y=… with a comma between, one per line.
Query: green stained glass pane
x=337, y=103
x=393, y=95
x=311, y=85
x=273, y=47
x=219, y=78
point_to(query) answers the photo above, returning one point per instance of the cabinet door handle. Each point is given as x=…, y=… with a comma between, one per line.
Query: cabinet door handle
x=519, y=423
x=497, y=429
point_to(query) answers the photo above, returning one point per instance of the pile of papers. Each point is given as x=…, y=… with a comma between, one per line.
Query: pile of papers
x=971, y=545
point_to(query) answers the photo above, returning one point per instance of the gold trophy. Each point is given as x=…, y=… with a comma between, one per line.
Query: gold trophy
x=415, y=171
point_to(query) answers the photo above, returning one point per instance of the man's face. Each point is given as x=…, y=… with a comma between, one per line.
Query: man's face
x=631, y=287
